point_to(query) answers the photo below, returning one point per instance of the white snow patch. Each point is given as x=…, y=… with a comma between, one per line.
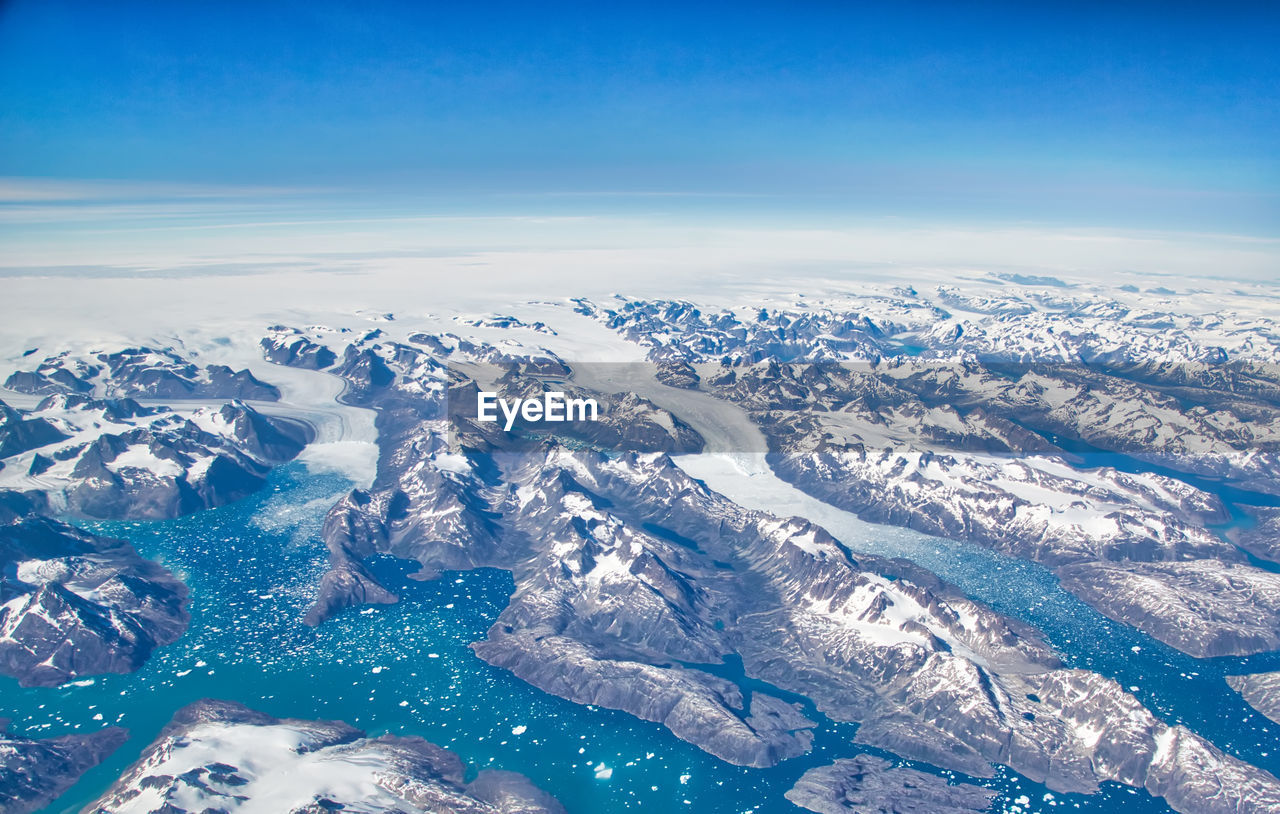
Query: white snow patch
x=140, y=456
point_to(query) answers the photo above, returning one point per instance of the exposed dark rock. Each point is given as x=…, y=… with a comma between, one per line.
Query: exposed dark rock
x=140, y=373
x=118, y=459
x=19, y=434
x=1201, y=607
x=677, y=373
x=352, y=533
x=77, y=604
x=34, y=773
x=869, y=785
x=57, y=374
x=1263, y=538
x=287, y=346
x=1261, y=691
x=938, y=449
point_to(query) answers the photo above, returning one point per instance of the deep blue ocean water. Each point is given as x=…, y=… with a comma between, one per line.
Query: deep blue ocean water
x=406, y=669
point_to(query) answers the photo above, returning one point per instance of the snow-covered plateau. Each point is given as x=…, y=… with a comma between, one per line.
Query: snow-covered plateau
x=218, y=755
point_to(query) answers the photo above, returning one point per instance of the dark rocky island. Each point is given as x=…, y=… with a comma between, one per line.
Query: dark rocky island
x=76, y=604
x=867, y=784
x=34, y=773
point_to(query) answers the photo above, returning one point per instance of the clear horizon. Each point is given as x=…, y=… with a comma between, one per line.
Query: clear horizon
x=137, y=121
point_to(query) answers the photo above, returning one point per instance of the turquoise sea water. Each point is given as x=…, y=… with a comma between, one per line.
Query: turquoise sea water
x=406, y=669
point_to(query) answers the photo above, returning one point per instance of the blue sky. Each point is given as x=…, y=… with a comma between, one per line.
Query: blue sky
x=1157, y=116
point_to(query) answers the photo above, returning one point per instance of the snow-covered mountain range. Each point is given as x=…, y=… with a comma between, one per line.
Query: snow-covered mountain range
x=1117, y=440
